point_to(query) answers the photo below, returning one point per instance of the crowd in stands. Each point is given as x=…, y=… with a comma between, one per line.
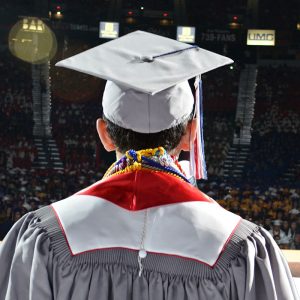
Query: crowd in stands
x=220, y=91
x=74, y=129
x=278, y=84
x=281, y=121
x=25, y=190
x=16, y=142
x=218, y=132
x=276, y=127
x=275, y=208
x=76, y=105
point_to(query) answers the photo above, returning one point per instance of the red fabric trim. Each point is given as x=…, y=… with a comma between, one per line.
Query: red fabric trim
x=144, y=189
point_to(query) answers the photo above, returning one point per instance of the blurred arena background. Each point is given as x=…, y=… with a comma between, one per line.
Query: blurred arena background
x=49, y=148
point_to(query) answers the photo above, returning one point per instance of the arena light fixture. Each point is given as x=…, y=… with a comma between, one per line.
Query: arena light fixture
x=130, y=20
x=57, y=14
x=234, y=25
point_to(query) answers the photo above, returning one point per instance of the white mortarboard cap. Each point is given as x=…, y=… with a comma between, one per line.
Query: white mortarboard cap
x=147, y=89
x=151, y=113
x=141, y=64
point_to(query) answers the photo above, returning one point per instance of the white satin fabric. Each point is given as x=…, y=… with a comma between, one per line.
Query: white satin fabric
x=196, y=230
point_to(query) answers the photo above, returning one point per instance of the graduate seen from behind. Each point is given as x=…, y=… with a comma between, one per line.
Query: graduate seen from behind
x=144, y=232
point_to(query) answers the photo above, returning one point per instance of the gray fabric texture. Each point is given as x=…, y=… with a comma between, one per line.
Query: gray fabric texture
x=36, y=264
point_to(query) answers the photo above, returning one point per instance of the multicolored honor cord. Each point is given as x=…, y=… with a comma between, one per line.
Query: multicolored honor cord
x=156, y=159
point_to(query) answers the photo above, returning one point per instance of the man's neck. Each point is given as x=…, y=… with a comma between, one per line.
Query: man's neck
x=119, y=155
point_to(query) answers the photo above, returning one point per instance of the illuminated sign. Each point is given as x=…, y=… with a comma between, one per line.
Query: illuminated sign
x=186, y=34
x=109, y=30
x=261, y=37
x=33, y=25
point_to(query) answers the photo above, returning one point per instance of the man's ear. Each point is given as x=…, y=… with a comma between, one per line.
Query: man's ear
x=104, y=136
x=190, y=135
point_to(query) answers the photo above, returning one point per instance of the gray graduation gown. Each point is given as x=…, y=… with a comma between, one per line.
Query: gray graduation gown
x=36, y=264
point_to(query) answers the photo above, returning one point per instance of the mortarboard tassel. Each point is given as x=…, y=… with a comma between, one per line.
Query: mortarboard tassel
x=197, y=156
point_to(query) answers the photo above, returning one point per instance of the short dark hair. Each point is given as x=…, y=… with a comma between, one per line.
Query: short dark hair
x=126, y=139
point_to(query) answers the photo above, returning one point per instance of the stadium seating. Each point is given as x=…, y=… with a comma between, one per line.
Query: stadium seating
x=276, y=127
x=16, y=142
